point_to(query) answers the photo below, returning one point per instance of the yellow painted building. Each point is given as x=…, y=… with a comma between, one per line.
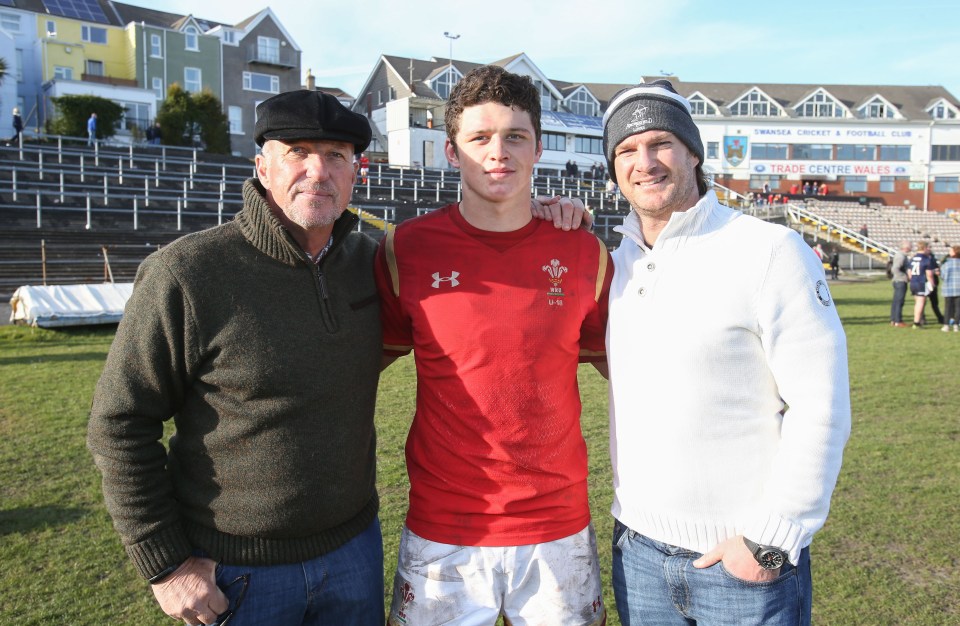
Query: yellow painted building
x=76, y=50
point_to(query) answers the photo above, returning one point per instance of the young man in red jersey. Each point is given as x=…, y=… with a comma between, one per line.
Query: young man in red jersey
x=499, y=309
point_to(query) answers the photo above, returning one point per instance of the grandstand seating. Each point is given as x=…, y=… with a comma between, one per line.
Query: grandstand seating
x=77, y=204
x=889, y=225
x=124, y=202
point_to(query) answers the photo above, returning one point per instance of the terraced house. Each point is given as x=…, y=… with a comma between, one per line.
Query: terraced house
x=132, y=55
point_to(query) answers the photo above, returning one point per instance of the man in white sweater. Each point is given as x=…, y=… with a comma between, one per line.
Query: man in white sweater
x=729, y=393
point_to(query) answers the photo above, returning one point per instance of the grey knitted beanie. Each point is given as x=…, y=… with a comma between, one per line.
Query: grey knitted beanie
x=648, y=106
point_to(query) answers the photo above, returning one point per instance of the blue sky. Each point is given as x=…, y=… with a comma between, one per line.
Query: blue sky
x=814, y=41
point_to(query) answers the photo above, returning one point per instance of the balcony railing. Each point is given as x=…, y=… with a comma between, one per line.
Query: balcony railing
x=284, y=57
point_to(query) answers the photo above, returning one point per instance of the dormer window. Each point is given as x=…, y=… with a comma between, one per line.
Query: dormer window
x=755, y=104
x=878, y=109
x=444, y=83
x=701, y=106
x=582, y=103
x=191, y=38
x=820, y=104
x=942, y=110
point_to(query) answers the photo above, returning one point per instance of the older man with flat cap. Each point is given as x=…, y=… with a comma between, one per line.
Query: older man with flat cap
x=261, y=339
x=729, y=394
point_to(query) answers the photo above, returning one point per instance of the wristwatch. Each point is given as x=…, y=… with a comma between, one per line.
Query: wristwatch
x=769, y=557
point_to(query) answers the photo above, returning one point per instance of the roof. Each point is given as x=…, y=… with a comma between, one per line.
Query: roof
x=912, y=101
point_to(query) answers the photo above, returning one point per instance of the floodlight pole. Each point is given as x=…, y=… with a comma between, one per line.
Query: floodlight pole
x=451, y=37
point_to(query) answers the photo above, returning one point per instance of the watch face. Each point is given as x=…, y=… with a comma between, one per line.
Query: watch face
x=770, y=559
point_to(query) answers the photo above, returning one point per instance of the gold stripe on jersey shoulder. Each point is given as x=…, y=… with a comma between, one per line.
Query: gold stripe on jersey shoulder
x=601, y=270
x=392, y=263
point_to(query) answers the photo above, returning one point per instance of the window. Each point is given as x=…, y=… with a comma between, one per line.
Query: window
x=768, y=151
x=191, y=38
x=51, y=28
x=812, y=152
x=19, y=62
x=445, y=82
x=700, y=106
x=877, y=109
x=268, y=49
x=820, y=104
x=589, y=145
x=235, y=119
x=888, y=184
x=851, y=152
x=62, y=73
x=156, y=47
x=894, y=153
x=757, y=182
x=554, y=141
x=755, y=104
x=713, y=149
x=253, y=81
x=191, y=79
x=10, y=22
x=135, y=115
x=582, y=103
x=94, y=68
x=158, y=88
x=945, y=153
x=855, y=184
x=230, y=37
x=946, y=184
x=379, y=96
x=93, y=34
x=942, y=111
x=547, y=102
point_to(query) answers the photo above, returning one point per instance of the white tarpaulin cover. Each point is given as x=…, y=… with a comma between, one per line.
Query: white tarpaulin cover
x=69, y=305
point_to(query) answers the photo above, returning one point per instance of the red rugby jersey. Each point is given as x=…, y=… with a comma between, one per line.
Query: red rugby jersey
x=498, y=323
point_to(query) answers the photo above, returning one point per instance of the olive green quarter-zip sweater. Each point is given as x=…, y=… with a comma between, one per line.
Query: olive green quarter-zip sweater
x=268, y=365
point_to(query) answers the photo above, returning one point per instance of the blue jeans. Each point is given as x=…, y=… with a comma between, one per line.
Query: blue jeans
x=342, y=587
x=899, y=295
x=656, y=583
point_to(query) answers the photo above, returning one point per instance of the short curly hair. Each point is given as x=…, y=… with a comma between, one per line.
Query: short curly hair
x=492, y=83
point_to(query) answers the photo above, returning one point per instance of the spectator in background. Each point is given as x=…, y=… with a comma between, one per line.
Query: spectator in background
x=920, y=274
x=818, y=250
x=950, y=281
x=157, y=134
x=864, y=231
x=835, y=265
x=824, y=189
x=807, y=189
x=898, y=273
x=611, y=189
x=794, y=189
x=92, y=129
x=17, y=126
x=149, y=135
x=601, y=170
x=934, y=296
x=364, y=168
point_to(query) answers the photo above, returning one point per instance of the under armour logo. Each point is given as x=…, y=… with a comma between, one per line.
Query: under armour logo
x=452, y=279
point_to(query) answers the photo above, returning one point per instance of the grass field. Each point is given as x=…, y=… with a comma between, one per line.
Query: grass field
x=888, y=554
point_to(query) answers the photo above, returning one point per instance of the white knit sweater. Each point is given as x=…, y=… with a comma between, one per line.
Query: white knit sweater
x=729, y=394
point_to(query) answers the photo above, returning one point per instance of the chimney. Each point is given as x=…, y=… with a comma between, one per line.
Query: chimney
x=311, y=81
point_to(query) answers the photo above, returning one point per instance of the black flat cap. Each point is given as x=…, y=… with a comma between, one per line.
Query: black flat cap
x=304, y=114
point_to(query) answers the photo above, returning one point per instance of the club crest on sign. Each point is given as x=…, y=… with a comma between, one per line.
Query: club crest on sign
x=735, y=149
